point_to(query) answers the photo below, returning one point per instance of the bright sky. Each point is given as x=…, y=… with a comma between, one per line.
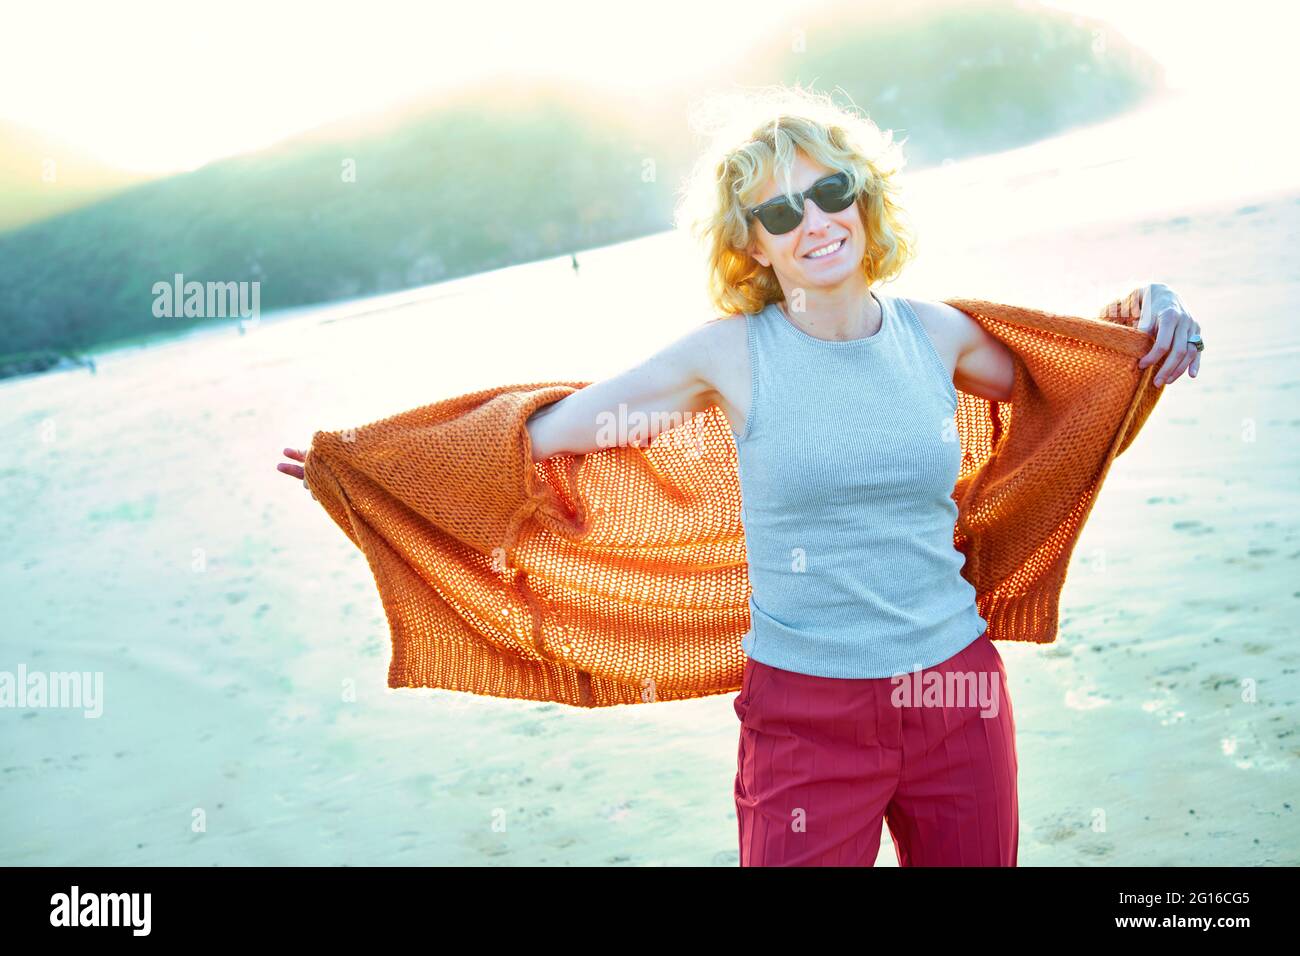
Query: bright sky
x=161, y=85
x=1207, y=46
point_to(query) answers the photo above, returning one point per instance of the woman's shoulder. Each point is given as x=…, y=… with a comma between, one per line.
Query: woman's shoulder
x=943, y=322
x=725, y=332
x=726, y=344
x=948, y=328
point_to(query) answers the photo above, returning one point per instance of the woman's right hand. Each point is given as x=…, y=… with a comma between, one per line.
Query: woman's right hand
x=295, y=470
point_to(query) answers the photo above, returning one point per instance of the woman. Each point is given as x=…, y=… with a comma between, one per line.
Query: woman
x=841, y=399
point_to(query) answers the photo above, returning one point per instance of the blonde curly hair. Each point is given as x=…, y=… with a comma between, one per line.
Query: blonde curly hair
x=755, y=134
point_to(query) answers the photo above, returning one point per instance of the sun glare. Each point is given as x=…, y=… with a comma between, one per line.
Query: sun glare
x=156, y=87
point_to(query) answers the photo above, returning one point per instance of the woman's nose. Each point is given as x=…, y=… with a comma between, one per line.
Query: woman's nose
x=813, y=217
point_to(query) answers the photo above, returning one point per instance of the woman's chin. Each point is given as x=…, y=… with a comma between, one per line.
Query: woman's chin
x=827, y=277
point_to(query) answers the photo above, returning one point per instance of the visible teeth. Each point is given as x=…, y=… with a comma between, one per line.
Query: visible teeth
x=826, y=251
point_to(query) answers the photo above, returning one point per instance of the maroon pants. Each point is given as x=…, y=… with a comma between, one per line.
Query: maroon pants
x=823, y=759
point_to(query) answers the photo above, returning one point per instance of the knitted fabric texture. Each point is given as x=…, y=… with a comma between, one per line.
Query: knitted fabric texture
x=619, y=576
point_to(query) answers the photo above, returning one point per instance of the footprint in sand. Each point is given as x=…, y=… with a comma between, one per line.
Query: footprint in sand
x=1163, y=707
x=1247, y=753
x=1058, y=832
x=1096, y=849
x=1085, y=698
x=1215, y=681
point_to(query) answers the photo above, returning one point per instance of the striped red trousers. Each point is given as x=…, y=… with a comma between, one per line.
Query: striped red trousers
x=823, y=759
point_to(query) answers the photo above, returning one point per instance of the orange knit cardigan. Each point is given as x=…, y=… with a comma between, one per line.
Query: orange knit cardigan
x=619, y=577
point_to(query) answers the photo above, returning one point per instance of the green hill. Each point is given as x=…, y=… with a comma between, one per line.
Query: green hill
x=518, y=171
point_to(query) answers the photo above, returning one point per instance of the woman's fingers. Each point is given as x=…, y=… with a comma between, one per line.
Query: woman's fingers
x=1164, y=337
x=1178, y=348
x=1195, y=365
x=1168, y=338
x=1192, y=354
x=297, y=471
x=1171, y=327
x=1183, y=364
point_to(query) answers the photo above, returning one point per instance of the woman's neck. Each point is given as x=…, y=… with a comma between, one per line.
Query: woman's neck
x=839, y=320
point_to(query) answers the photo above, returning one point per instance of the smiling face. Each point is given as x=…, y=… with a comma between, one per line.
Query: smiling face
x=823, y=251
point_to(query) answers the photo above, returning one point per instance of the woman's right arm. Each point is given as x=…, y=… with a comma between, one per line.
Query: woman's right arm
x=630, y=408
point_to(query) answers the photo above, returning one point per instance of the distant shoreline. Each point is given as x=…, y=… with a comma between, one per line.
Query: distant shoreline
x=17, y=365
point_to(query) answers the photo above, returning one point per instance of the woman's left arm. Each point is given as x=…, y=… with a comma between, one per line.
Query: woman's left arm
x=1157, y=308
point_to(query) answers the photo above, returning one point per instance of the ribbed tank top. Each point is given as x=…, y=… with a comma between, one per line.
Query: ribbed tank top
x=847, y=466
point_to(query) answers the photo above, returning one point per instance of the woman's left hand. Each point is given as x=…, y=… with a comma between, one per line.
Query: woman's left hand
x=1158, y=309
x=296, y=471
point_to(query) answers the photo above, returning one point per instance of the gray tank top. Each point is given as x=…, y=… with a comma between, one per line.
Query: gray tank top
x=847, y=466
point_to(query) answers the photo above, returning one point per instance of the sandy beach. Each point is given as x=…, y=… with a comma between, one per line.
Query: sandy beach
x=245, y=714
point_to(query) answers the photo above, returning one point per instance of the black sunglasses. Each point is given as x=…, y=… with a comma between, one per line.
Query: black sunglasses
x=780, y=215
